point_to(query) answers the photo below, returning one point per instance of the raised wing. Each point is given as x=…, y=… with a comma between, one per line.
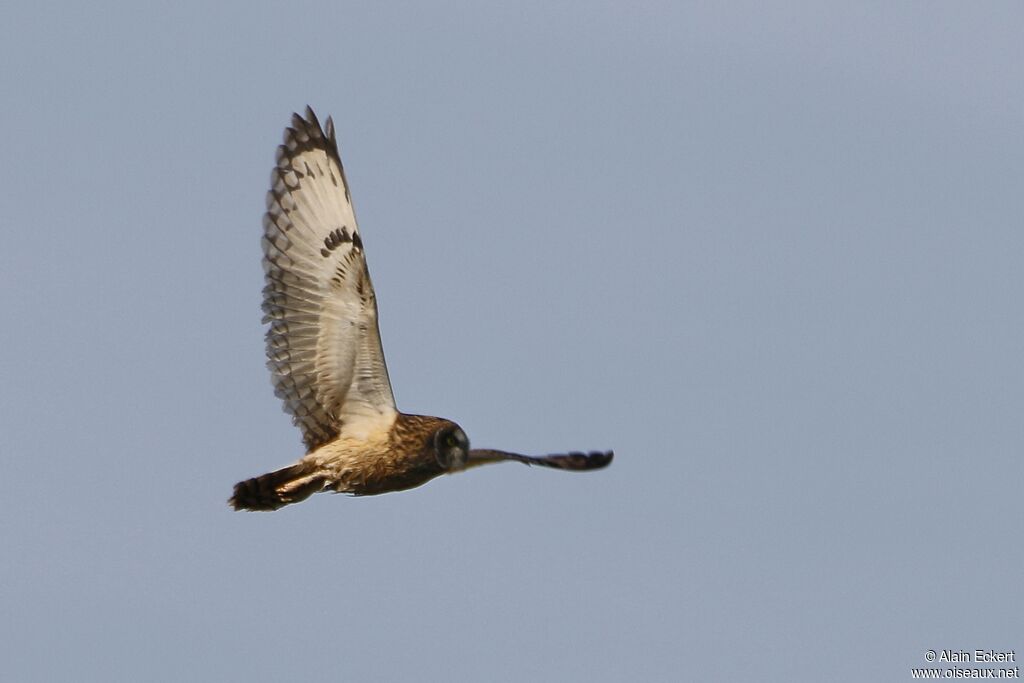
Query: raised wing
x=323, y=344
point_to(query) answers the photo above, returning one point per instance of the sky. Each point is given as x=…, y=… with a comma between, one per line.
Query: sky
x=771, y=254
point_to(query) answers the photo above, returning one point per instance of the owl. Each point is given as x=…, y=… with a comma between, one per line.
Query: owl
x=324, y=350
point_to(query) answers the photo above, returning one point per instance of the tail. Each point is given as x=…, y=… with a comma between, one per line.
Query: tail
x=277, y=489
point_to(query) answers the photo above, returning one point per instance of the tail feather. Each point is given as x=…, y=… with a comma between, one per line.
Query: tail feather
x=277, y=489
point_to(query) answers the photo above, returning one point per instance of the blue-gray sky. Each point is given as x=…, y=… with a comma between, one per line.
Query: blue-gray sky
x=770, y=255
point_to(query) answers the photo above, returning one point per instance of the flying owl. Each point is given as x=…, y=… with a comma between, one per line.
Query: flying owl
x=324, y=348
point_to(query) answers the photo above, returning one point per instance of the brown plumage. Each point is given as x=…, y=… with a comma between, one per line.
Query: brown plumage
x=324, y=350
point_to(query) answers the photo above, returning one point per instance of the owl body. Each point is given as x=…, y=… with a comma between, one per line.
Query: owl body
x=400, y=458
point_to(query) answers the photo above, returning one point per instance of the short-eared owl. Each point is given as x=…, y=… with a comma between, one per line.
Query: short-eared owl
x=324, y=347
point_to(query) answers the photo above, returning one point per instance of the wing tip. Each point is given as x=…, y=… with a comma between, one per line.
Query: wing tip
x=595, y=460
x=327, y=129
x=311, y=120
x=308, y=126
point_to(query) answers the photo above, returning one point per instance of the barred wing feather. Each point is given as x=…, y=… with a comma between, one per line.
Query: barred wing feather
x=323, y=343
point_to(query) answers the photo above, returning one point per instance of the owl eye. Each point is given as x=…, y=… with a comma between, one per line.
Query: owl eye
x=451, y=448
